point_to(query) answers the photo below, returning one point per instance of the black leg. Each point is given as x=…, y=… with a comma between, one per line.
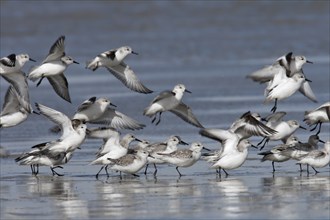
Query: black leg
x=267, y=140
x=315, y=126
x=273, y=166
x=32, y=169
x=120, y=175
x=40, y=81
x=320, y=124
x=315, y=170
x=307, y=169
x=97, y=175
x=225, y=172
x=54, y=172
x=177, y=169
x=153, y=120
x=37, y=170
x=160, y=114
x=145, y=171
x=106, y=170
x=300, y=168
x=261, y=141
x=155, y=169
x=135, y=175
x=275, y=107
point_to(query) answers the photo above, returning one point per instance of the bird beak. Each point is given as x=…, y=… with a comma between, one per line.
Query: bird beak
x=186, y=90
x=308, y=80
x=75, y=62
x=206, y=149
x=183, y=143
x=32, y=60
x=309, y=62
x=88, y=131
x=133, y=52
x=322, y=141
x=113, y=105
x=302, y=127
x=138, y=140
x=151, y=156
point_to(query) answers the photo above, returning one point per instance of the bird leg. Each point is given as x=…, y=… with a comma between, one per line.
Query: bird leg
x=315, y=170
x=160, y=114
x=155, y=169
x=273, y=166
x=40, y=81
x=145, y=171
x=225, y=172
x=267, y=140
x=54, y=172
x=177, y=169
x=135, y=175
x=261, y=141
x=275, y=107
x=97, y=175
x=106, y=170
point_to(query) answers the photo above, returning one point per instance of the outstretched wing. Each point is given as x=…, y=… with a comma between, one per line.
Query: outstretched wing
x=56, y=51
x=185, y=113
x=60, y=85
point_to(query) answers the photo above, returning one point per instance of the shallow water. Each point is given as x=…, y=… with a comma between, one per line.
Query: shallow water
x=210, y=47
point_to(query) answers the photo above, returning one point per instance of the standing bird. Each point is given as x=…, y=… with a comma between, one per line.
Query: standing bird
x=171, y=101
x=164, y=147
x=233, y=159
x=276, y=153
x=184, y=157
x=317, y=158
x=318, y=116
x=53, y=68
x=130, y=163
x=113, y=61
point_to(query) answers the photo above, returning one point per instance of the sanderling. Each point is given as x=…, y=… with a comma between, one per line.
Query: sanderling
x=171, y=101
x=284, y=128
x=284, y=88
x=73, y=131
x=116, y=149
x=164, y=147
x=97, y=111
x=130, y=163
x=317, y=158
x=13, y=113
x=292, y=65
x=318, y=116
x=36, y=158
x=300, y=149
x=13, y=63
x=276, y=155
x=112, y=60
x=233, y=159
x=53, y=68
x=184, y=157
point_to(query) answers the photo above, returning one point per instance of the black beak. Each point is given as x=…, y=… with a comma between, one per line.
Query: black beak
x=75, y=62
x=302, y=127
x=322, y=141
x=308, y=80
x=32, y=60
x=138, y=140
x=186, y=90
x=182, y=142
x=113, y=105
x=309, y=62
x=133, y=52
x=263, y=119
x=206, y=149
x=150, y=156
x=88, y=131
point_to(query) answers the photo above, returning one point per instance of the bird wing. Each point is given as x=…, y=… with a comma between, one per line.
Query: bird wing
x=86, y=104
x=9, y=61
x=126, y=75
x=56, y=51
x=60, y=85
x=307, y=91
x=11, y=103
x=19, y=82
x=57, y=117
x=118, y=120
x=185, y=113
